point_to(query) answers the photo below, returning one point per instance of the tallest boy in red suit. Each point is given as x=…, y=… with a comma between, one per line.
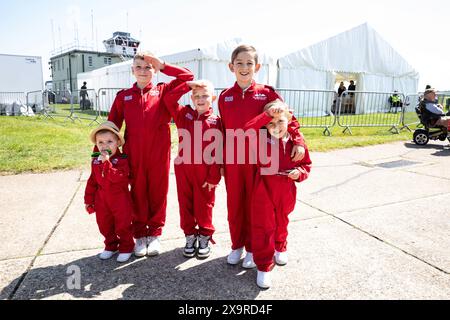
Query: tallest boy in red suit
x=238, y=105
x=147, y=137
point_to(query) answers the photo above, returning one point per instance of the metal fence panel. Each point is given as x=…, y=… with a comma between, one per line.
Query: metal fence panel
x=106, y=97
x=12, y=102
x=312, y=108
x=369, y=109
x=83, y=105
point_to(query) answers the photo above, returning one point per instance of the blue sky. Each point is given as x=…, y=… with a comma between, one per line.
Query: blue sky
x=418, y=30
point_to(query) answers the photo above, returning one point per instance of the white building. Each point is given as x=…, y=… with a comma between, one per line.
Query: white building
x=20, y=73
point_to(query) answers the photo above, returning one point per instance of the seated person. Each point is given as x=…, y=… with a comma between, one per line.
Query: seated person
x=435, y=112
x=395, y=101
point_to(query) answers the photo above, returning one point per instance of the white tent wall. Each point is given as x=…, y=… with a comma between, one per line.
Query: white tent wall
x=360, y=51
x=303, y=78
x=115, y=76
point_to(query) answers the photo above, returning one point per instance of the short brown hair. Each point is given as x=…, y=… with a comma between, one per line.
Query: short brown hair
x=244, y=48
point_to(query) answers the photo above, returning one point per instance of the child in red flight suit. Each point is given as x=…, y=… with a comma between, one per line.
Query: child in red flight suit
x=238, y=105
x=107, y=192
x=197, y=171
x=274, y=193
x=147, y=136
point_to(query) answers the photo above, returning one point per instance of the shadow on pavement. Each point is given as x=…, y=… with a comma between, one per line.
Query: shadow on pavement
x=441, y=150
x=160, y=277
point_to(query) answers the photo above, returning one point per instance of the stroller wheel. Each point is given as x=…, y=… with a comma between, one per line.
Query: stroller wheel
x=420, y=137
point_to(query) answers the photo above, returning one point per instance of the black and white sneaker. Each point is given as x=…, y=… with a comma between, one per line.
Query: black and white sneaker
x=191, y=246
x=204, y=250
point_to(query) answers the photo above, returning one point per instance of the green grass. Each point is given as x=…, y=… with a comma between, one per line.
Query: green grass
x=63, y=110
x=35, y=145
x=38, y=145
x=360, y=137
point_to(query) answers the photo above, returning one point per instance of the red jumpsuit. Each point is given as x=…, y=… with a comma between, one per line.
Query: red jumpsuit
x=196, y=203
x=107, y=190
x=237, y=107
x=147, y=145
x=274, y=197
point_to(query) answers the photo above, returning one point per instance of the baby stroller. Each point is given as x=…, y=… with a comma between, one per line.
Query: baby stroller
x=430, y=130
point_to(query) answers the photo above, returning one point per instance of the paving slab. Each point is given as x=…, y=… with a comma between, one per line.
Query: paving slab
x=10, y=275
x=31, y=206
x=375, y=152
x=436, y=151
x=437, y=170
x=412, y=227
x=356, y=187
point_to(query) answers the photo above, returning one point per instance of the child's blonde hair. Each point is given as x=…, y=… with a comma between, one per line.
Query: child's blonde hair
x=208, y=84
x=280, y=104
x=244, y=48
x=140, y=55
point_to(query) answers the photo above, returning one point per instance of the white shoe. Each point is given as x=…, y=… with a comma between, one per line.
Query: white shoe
x=105, y=255
x=154, y=246
x=235, y=256
x=123, y=257
x=248, y=262
x=281, y=258
x=263, y=279
x=140, y=248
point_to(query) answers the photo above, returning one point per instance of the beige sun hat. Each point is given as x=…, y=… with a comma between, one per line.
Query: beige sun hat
x=429, y=90
x=110, y=126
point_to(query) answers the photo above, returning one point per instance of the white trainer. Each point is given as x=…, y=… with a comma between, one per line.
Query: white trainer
x=105, y=255
x=123, y=257
x=281, y=258
x=263, y=279
x=154, y=246
x=235, y=256
x=140, y=248
x=248, y=262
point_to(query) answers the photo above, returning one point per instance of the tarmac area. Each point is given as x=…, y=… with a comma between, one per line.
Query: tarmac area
x=370, y=223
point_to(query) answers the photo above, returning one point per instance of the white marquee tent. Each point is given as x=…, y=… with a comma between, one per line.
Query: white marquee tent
x=359, y=54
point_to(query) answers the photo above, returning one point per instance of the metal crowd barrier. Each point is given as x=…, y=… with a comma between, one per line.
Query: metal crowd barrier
x=83, y=105
x=57, y=103
x=105, y=100
x=369, y=109
x=10, y=102
x=409, y=117
x=312, y=108
x=35, y=101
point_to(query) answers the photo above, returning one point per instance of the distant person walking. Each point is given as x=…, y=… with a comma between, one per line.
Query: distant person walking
x=84, y=101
